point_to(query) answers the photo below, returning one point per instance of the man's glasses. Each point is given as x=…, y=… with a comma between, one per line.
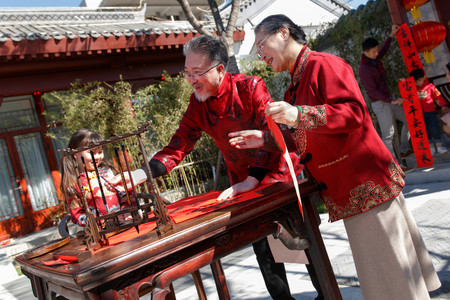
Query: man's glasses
x=260, y=46
x=196, y=76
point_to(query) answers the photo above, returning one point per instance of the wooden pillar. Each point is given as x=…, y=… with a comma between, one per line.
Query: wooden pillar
x=398, y=13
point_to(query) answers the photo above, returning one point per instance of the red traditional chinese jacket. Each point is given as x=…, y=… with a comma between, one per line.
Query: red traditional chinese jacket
x=77, y=211
x=336, y=137
x=239, y=105
x=428, y=94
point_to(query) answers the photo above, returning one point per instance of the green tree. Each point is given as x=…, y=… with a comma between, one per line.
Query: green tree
x=98, y=106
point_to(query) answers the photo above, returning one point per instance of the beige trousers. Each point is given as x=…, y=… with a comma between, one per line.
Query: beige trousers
x=390, y=256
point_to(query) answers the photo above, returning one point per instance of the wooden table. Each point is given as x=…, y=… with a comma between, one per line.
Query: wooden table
x=149, y=263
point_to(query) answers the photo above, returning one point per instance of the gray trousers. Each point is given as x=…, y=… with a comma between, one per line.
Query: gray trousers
x=386, y=114
x=391, y=259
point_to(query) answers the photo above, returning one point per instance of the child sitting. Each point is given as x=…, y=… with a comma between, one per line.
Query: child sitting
x=430, y=96
x=69, y=186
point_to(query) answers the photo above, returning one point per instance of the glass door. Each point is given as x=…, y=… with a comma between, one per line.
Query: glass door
x=33, y=161
x=10, y=189
x=26, y=182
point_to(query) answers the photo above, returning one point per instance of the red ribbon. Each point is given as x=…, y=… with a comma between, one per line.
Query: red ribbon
x=282, y=145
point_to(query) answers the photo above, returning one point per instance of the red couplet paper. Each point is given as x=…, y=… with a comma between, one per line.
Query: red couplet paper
x=412, y=107
x=185, y=209
x=408, y=48
x=282, y=145
x=416, y=123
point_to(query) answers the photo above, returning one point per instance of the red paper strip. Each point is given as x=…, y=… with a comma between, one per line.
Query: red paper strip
x=276, y=133
x=412, y=107
x=55, y=262
x=186, y=209
x=416, y=123
x=408, y=48
x=282, y=145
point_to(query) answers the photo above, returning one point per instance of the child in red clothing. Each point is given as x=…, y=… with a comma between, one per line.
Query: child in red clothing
x=430, y=96
x=70, y=188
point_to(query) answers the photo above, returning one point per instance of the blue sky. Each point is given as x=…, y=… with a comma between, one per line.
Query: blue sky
x=72, y=3
x=39, y=3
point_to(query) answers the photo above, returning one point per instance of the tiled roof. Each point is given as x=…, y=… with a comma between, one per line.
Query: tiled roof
x=18, y=25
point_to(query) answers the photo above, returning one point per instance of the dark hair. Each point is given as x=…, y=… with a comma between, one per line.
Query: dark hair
x=273, y=23
x=369, y=43
x=417, y=74
x=82, y=137
x=448, y=66
x=205, y=44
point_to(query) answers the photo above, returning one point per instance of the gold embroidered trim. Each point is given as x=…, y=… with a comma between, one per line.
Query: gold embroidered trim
x=298, y=72
x=333, y=162
x=300, y=140
x=366, y=196
x=311, y=117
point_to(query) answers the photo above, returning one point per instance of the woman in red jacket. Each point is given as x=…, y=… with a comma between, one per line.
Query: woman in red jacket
x=333, y=132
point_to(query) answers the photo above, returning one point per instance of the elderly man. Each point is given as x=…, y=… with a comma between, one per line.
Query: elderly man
x=223, y=103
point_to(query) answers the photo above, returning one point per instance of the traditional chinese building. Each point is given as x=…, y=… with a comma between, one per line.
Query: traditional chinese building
x=47, y=50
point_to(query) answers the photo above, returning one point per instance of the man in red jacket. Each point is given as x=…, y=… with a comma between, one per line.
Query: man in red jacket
x=222, y=103
x=386, y=107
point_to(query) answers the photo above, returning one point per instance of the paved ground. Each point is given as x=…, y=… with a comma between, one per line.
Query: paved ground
x=428, y=197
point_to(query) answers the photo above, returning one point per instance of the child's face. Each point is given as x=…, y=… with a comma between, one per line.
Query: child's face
x=420, y=81
x=98, y=156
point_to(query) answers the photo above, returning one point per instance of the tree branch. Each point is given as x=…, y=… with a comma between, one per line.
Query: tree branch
x=191, y=18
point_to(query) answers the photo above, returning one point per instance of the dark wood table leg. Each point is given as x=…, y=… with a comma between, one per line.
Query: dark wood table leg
x=317, y=251
x=221, y=282
x=199, y=285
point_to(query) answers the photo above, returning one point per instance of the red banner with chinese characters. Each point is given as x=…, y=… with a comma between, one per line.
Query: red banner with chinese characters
x=416, y=123
x=408, y=48
x=412, y=107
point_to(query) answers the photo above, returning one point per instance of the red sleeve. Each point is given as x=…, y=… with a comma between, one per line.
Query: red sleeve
x=437, y=97
x=77, y=212
x=343, y=109
x=182, y=142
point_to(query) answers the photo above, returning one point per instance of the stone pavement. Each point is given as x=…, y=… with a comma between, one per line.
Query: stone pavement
x=427, y=195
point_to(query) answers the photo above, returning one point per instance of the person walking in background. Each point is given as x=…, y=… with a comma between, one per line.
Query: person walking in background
x=429, y=97
x=386, y=107
x=333, y=132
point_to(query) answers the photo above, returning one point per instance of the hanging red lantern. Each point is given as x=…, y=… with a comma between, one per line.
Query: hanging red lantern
x=427, y=36
x=413, y=5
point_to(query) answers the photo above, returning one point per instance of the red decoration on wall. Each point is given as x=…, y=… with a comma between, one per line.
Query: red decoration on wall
x=427, y=36
x=408, y=48
x=416, y=123
x=413, y=6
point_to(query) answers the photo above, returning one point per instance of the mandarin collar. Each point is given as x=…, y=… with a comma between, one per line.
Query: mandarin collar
x=224, y=87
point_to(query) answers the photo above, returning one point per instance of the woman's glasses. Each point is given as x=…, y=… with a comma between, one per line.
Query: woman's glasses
x=260, y=46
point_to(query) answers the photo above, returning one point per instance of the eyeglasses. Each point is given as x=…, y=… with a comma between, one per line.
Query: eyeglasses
x=260, y=46
x=196, y=76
